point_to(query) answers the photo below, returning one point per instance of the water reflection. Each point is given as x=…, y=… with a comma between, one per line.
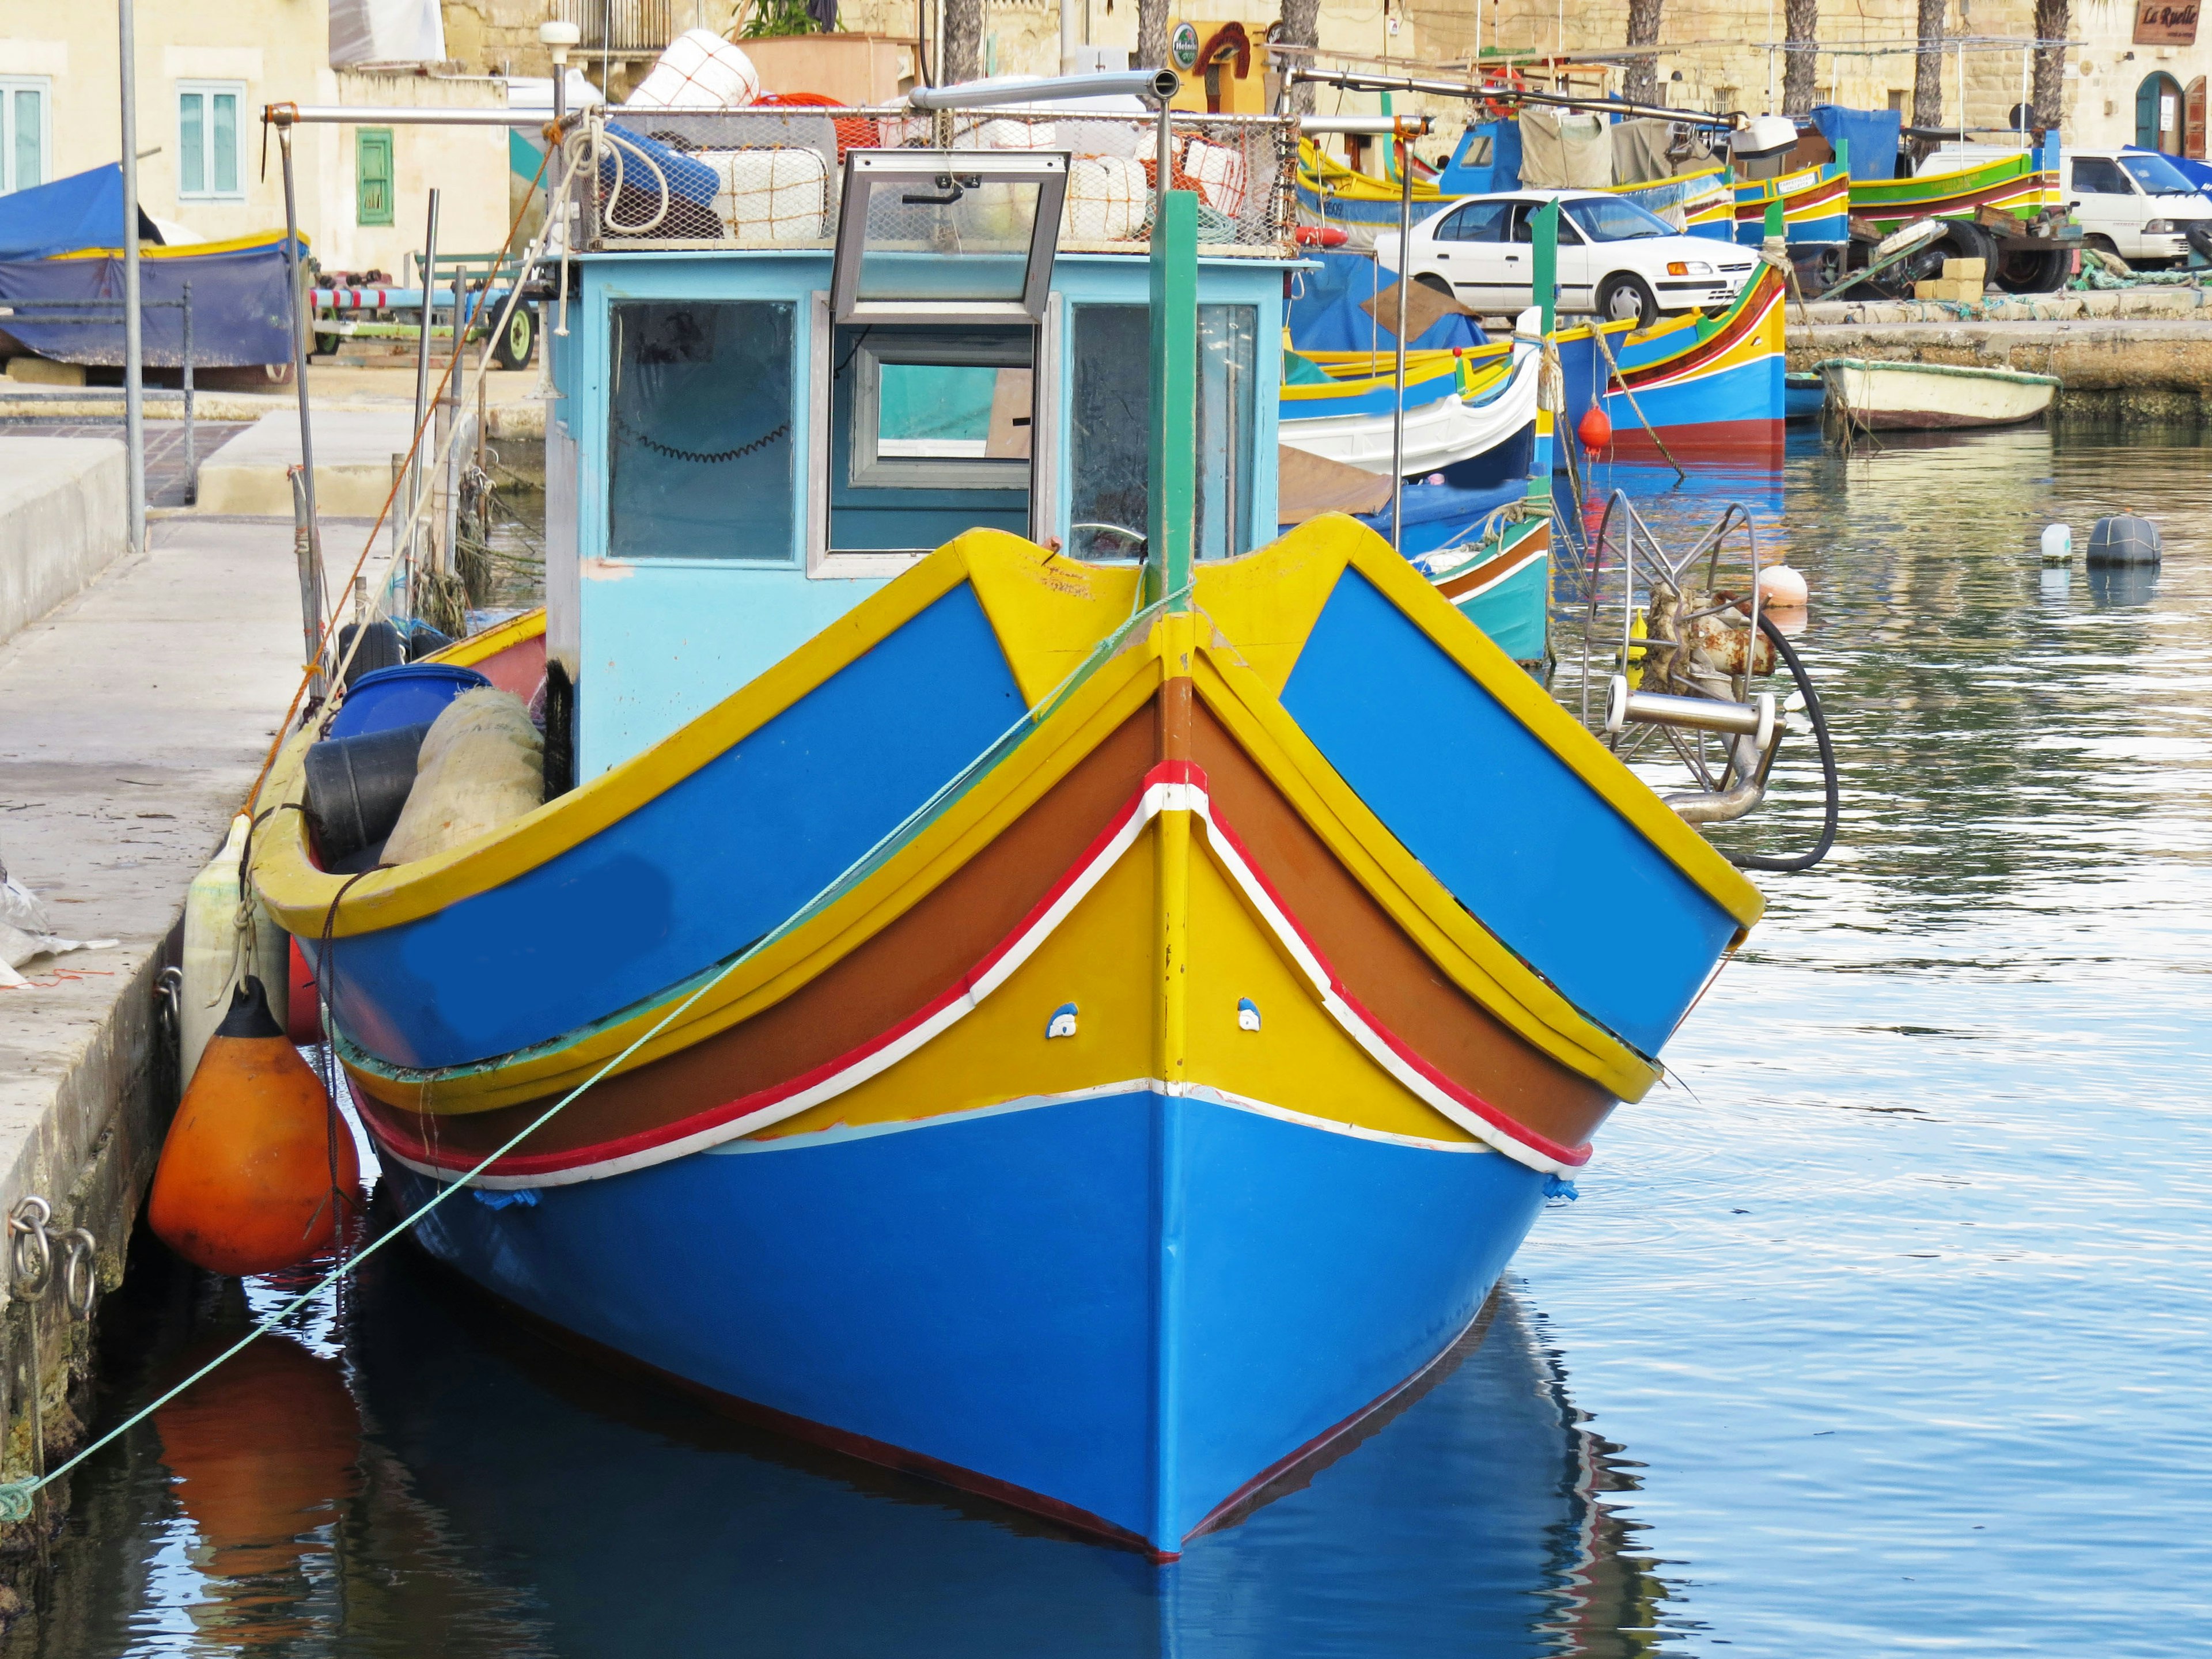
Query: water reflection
x=424, y=1475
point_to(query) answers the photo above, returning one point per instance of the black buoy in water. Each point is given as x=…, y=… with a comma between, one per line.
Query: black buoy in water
x=2124, y=539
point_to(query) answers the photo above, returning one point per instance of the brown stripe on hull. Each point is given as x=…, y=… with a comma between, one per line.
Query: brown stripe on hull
x=1538, y=541
x=1379, y=965
x=855, y=1000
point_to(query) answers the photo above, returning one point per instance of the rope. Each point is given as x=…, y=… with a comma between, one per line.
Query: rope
x=17, y=1496
x=1597, y=333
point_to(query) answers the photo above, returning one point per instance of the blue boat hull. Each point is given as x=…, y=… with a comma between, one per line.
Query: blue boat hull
x=1125, y=1311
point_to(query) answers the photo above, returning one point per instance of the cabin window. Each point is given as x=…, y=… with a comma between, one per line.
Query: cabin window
x=699, y=419
x=930, y=432
x=1111, y=421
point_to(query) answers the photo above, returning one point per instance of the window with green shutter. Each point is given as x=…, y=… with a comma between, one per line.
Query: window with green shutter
x=373, y=175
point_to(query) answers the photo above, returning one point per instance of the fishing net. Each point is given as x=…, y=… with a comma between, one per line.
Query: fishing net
x=769, y=176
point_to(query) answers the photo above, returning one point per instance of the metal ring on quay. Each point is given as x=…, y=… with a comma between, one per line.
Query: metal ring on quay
x=79, y=1254
x=28, y=1241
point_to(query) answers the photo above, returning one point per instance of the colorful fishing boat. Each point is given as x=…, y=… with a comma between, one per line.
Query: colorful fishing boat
x=1459, y=405
x=1499, y=575
x=1701, y=385
x=2024, y=185
x=1084, y=1016
x=1329, y=192
x=1710, y=202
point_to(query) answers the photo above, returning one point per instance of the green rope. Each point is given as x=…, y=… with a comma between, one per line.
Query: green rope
x=15, y=1496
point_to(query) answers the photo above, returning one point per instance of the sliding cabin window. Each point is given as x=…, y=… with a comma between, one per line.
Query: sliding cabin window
x=930, y=431
x=699, y=431
x=1111, y=424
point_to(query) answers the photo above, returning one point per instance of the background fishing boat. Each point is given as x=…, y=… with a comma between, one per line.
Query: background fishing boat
x=1700, y=386
x=1886, y=396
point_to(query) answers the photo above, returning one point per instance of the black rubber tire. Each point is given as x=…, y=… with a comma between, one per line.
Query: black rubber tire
x=1620, y=282
x=2104, y=242
x=2037, y=270
x=1965, y=240
x=327, y=345
x=517, y=344
x=1429, y=279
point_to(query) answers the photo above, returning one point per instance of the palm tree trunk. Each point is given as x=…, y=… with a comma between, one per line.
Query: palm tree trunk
x=1640, y=85
x=1801, y=19
x=962, y=49
x=2052, y=20
x=1301, y=27
x=1927, y=67
x=1151, y=34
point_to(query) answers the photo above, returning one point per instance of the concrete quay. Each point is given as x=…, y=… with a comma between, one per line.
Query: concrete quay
x=135, y=715
x=64, y=513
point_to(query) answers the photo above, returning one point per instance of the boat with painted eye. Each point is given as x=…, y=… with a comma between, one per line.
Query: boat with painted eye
x=1018, y=980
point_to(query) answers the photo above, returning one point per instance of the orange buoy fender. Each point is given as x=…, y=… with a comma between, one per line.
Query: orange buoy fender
x=1595, y=429
x=244, y=1182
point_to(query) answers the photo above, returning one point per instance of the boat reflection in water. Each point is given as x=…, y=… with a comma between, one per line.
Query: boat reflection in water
x=448, y=1482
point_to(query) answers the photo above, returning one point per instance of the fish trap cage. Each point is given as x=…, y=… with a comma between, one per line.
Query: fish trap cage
x=770, y=176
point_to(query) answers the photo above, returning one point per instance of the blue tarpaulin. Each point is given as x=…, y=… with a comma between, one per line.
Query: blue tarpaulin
x=240, y=315
x=82, y=210
x=1871, y=133
x=1325, y=313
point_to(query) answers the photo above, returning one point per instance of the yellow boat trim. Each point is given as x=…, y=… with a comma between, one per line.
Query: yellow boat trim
x=187, y=250
x=1321, y=172
x=479, y=647
x=1007, y=573
x=937, y=851
x=1233, y=595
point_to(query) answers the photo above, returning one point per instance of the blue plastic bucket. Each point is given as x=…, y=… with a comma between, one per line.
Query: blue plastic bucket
x=413, y=693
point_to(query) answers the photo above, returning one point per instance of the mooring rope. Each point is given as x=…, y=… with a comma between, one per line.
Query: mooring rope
x=17, y=1496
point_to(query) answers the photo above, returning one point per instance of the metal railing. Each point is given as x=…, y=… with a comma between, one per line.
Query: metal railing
x=648, y=179
x=109, y=313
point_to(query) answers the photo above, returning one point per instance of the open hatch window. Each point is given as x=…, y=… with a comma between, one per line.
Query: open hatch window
x=946, y=235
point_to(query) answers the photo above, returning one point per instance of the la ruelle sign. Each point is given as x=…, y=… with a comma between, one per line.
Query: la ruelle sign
x=2166, y=22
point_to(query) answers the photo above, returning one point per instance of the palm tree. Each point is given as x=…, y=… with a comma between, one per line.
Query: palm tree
x=1151, y=34
x=961, y=51
x=1927, y=67
x=1801, y=19
x=2053, y=19
x=1640, y=84
x=1301, y=27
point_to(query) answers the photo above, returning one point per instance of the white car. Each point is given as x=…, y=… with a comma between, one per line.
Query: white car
x=2136, y=204
x=1616, y=260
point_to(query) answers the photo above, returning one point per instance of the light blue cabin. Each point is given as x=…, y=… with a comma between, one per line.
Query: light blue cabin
x=754, y=432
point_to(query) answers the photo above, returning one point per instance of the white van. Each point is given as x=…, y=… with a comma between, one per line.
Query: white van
x=2136, y=204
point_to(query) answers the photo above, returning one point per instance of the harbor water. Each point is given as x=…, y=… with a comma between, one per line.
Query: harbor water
x=1883, y=1327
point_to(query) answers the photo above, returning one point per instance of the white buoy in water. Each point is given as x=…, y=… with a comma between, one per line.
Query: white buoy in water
x=2057, y=543
x=1782, y=587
